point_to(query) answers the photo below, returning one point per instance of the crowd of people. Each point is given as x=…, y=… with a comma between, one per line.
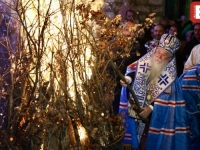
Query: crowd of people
x=165, y=79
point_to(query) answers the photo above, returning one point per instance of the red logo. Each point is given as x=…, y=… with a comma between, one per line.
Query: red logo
x=195, y=12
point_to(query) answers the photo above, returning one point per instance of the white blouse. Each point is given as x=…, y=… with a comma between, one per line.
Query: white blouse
x=193, y=59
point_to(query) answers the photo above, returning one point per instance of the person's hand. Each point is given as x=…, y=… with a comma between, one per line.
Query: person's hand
x=145, y=112
x=128, y=80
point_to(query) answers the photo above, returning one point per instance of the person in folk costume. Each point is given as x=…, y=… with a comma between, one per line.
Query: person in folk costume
x=190, y=82
x=154, y=81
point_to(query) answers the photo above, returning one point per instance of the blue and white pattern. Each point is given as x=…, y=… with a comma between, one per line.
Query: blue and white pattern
x=190, y=82
x=168, y=129
x=169, y=43
x=142, y=74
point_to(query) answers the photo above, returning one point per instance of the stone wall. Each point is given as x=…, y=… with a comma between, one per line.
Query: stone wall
x=144, y=7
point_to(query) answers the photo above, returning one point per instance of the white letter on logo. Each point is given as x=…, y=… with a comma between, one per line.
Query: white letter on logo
x=197, y=11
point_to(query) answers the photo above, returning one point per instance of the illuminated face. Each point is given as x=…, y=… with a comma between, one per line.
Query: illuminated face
x=173, y=31
x=127, y=31
x=158, y=32
x=159, y=61
x=162, y=55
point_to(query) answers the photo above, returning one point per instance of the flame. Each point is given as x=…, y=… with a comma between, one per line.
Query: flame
x=82, y=134
x=54, y=42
